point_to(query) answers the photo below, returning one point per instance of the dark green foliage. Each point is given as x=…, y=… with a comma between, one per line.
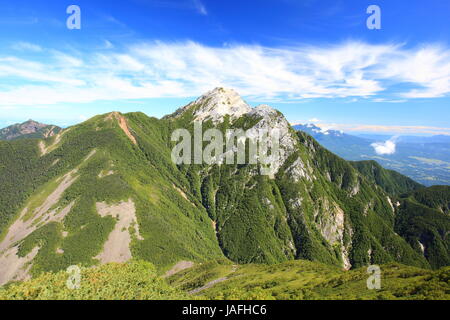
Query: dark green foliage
x=20, y=175
x=136, y=280
x=390, y=181
x=369, y=216
x=423, y=220
x=305, y=280
x=436, y=197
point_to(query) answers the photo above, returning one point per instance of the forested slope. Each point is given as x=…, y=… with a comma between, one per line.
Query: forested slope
x=107, y=190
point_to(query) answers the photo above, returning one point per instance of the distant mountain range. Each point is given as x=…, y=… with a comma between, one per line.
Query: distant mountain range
x=108, y=190
x=408, y=139
x=424, y=159
x=28, y=129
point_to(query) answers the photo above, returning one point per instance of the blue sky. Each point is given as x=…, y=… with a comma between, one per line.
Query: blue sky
x=314, y=60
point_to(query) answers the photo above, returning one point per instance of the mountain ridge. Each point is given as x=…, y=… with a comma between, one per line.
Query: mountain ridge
x=28, y=129
x=315, y=205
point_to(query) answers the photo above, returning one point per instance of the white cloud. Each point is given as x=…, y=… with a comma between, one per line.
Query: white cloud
x=427, y=67
x=107, y=44
x=385, y=148
x=187, y=69
x=26, y=46
x=200, y=7
x=383, y=100
x=313, y=120
x=16, y=68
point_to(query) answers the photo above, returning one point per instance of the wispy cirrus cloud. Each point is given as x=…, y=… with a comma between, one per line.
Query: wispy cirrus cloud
x=190, y=5
x=427, y=67
x=26, y=46
x=187, y=69
x=201, y=9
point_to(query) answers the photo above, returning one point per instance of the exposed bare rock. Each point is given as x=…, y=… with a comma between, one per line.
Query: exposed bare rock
x=117, y=247
x=218, y=103
x=298, y=170
x=28, y=221
x=15, y=268
x=56, y=140
x=355, y=189
x=181, y=192
x=105, y=173
x=296, y=203
x=273, y=122
x=122, y=124
x=23, y=227
x=180, y=266
x=422, y=247
x=390, y=203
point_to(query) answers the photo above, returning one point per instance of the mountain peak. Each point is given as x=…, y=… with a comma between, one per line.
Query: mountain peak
x=219, y=102
x=31, y=121
x=29, y=128
x=221, y=92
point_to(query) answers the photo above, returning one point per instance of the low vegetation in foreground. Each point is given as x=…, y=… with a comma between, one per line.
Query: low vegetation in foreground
x=221, y=279
x=135, y=280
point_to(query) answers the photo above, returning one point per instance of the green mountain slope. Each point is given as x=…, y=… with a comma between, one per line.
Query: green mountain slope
x=305, y=280
x=423, y=219
x=136, y=280
x=52, y=200
x=368, y=211
x=391, y=181
x=107, y=190
x=28, y=129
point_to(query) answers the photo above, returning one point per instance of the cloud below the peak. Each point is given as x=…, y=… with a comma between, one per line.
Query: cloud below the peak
x=45, y=76
x=385, y=148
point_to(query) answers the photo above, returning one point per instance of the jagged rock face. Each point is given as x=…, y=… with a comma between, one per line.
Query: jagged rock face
x=332, y=224
x=218, y=103
x=274, y=121
x=299, y=170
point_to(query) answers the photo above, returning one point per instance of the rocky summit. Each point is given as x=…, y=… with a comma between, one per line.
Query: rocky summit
x=28, y=129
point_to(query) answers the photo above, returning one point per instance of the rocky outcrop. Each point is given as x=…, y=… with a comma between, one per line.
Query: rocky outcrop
x=218, y=103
